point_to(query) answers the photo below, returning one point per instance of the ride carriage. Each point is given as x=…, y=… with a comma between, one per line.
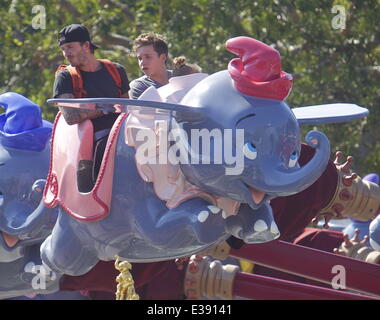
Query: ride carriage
x=159, y=196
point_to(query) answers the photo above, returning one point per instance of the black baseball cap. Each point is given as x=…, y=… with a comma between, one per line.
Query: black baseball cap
x=74, y=33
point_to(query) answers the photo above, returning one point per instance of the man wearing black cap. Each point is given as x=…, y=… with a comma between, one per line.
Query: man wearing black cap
x=88, y=77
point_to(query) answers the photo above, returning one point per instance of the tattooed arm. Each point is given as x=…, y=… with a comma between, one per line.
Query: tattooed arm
x=73, y=115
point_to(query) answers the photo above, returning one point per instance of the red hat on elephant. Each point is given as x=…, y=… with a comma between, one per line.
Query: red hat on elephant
x=258, y=71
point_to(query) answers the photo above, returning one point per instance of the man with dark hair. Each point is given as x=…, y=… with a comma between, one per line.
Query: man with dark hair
x=88, y=77
x=152, y=54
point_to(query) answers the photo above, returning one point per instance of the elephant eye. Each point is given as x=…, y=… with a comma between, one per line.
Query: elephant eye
x=250, y=151
x=293, y=159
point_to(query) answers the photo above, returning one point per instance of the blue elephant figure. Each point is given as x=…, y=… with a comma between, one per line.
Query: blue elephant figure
x=372, y=227
x=177, y=178
x=24, y=220
x=374, y=233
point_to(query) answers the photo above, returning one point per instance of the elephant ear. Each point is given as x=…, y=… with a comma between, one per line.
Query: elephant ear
x=329, y=113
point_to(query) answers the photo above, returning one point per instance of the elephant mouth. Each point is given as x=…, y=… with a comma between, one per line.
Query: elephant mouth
x=10, y=240
x=257, y=195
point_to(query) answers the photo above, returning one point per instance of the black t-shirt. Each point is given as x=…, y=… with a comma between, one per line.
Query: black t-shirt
x=98, y=84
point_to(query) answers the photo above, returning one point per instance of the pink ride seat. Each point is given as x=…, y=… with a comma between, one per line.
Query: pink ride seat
x=70, y=145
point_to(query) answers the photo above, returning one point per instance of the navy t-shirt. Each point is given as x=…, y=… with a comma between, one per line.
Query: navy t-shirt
x=98, y=84
x=139, y=85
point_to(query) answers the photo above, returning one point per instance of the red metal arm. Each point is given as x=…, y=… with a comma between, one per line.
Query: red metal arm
x=312, y=264
x=257, y=287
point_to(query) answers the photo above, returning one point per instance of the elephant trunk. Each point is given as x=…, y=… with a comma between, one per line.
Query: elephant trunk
x=281, y=182
x=37, y=224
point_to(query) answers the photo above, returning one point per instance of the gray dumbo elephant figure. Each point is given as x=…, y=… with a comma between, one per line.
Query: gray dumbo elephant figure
x=159, y=194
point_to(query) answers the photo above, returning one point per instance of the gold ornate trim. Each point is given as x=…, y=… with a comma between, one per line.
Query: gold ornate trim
x=125, y=288
x=220, y=251
x=209, y=278
x=357, y=249
x=353, y=197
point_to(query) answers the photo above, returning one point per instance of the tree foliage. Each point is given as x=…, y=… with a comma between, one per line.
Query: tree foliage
x=329, y=64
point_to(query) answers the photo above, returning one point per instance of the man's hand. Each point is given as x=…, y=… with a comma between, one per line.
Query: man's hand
x=73, y=115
